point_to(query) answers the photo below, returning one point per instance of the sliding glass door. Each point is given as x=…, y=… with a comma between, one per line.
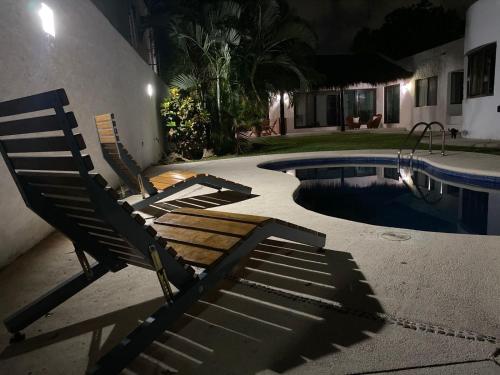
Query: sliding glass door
x=391, y=104
x=360, y=103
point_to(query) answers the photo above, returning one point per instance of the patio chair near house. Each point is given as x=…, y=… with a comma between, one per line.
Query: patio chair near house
x=160, y=186
x=55, y=180
x=374, y=122
x=268, y=129
x=352, y=123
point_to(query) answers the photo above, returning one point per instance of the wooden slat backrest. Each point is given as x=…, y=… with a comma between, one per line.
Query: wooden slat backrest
x=106, y=129
x=60, y=189
x=117, y=155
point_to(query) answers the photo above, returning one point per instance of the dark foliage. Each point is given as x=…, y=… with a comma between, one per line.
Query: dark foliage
x=411, y=29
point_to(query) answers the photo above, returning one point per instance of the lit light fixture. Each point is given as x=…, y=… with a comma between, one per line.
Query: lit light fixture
x=47, y=16
x=406, y=87
x=150, y=90
x=286, y=98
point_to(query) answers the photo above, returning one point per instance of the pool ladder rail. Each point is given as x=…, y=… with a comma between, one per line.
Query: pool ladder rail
x=428, y=125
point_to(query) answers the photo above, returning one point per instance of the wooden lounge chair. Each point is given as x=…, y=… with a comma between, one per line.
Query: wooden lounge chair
x=157, y=187
x=61, y=189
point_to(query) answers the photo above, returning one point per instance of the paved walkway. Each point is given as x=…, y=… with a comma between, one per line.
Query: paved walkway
x=428, y=305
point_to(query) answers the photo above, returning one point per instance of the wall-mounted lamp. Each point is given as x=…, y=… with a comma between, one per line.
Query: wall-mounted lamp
x=405, y=87
x=47, y=16
x=150, y=90
x=286, y=98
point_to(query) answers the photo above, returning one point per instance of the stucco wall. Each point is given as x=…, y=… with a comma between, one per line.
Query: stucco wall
x=101, y=73
x=440, y=62
x=481, y=119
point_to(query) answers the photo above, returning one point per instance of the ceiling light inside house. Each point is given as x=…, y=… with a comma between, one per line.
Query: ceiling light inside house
x=47, y=16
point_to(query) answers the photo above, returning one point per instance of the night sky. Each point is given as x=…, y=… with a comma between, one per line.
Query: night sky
x=337, y=21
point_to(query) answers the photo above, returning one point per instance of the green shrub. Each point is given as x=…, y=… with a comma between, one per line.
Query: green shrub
x=186, y=122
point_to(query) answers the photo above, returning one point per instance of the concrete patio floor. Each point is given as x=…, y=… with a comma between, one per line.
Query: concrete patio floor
x=428, y=305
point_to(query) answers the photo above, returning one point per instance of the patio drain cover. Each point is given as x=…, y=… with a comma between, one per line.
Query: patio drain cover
x=395, y=236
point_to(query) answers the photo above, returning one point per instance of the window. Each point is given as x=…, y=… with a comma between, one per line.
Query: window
x=131, y=23
x=432, y=92
x=426, y=91
x=456, y=87
x=391, y=104
x=481, y=71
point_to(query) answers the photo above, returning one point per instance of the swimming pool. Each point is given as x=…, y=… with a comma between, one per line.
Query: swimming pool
x=377, y=194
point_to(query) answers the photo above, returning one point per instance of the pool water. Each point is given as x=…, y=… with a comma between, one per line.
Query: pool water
x=381, y=196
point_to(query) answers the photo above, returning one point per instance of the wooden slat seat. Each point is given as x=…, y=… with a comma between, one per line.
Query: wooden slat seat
x=157, y=187
x=233, y=217
x=203, y=237
x=170, y=178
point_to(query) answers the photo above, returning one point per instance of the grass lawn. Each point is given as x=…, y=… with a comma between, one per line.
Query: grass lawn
x=345, y=141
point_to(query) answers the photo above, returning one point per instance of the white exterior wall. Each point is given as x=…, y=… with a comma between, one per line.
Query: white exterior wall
x=440, y=62
x=101, y=73
x=481, y=119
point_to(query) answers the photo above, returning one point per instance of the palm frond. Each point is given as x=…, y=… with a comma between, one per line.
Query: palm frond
x=185, y=81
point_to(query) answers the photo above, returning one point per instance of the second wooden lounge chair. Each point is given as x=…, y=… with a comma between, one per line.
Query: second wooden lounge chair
x=159, y=186
x=55, y=181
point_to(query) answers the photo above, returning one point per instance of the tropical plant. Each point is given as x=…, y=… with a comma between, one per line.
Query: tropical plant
x=411, y=29
x=186, y=121
x=234, y=55
x=207, y=45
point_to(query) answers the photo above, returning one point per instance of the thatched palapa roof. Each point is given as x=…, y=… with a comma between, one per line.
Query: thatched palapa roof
x=337, y=71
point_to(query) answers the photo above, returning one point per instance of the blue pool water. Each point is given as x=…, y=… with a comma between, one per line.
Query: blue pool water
x=379, y=195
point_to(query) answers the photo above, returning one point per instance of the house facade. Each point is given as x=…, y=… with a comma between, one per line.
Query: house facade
x=453, y=83
x=482, y=66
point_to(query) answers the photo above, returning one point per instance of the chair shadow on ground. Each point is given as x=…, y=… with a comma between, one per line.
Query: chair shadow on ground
x=217, y=199
x=284, y=306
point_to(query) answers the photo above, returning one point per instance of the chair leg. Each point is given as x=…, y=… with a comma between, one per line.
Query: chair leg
x=38, y=308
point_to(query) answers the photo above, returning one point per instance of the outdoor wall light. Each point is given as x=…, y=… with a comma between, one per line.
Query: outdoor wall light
x=286, y=98
x=405, y=87
x=47, y=16
x=150, y=90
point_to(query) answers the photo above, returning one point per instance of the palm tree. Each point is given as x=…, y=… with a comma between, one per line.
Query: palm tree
x=275, y=41
x=208, y=47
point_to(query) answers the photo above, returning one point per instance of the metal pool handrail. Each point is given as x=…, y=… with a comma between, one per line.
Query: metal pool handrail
x=427, y=126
